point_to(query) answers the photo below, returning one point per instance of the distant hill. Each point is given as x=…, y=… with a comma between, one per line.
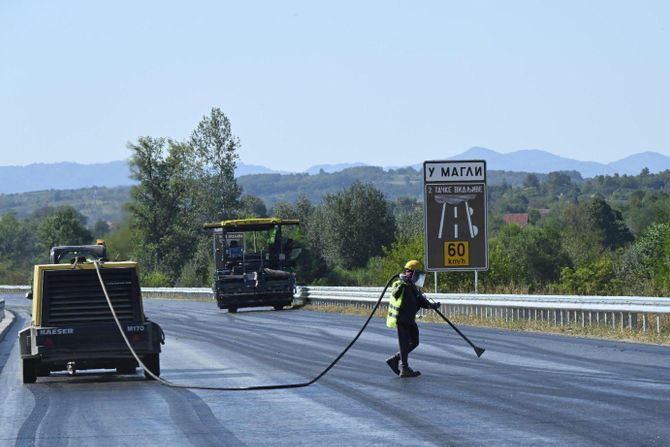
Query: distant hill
x=97, y=203
x=634, y=164
x=394, y=183
x=538, y=161
x=244, y=169
x=316, y=169
x=66, y=176
x=69, y=175
x=102, y=203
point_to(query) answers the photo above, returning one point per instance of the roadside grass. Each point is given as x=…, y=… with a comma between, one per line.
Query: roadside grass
x=595, y=331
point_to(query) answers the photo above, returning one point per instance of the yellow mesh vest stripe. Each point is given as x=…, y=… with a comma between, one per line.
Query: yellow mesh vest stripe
x=394, y=305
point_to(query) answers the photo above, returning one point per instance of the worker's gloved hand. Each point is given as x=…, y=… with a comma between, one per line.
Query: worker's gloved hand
x=435, y=305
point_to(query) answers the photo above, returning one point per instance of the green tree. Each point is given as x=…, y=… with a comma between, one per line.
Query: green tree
x=198, y=271
x=408, y=213
x=534, y=216
x=353, y=225
x=662, y=266
x=596, y=278
x=607, y=221
x=252, y=206
x=513, y=201
x=580, y=240
x=525, y=257
x=120, y=241
x=215, y=154
x=14, y=236
x=100, y=229
x=559, y=185
x=643, y=208
x=381, y=268
x=162, y=205
x=16, y=250
x=310, y=265
x=64, y=227
x=531, y=181
x=640, y=264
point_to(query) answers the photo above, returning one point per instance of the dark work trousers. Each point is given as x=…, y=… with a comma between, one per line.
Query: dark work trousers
x=408, y=340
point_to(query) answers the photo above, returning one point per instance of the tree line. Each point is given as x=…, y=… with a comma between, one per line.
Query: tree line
x=606, y=235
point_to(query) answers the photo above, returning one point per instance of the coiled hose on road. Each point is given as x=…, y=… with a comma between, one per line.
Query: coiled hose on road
x=244, y=388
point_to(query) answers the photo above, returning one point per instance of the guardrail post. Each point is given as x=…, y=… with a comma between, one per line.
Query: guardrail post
x=658, y=324
x=644, y=322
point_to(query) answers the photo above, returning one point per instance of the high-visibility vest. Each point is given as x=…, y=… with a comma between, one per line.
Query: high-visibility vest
x=397, y=293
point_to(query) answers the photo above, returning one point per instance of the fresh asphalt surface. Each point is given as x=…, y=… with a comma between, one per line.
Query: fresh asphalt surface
x=527, y=389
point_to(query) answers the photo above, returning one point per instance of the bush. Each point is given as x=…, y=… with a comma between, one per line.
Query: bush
x=641, y=264
x=599, y=278
x=530, y=257
x=155, y=278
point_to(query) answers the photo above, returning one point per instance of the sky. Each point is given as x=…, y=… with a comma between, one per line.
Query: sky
x=305, y=83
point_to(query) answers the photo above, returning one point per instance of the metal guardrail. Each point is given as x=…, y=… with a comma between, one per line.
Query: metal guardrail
x=619, y=311
x=178, y=292
x=616, y=311
x=13, y=290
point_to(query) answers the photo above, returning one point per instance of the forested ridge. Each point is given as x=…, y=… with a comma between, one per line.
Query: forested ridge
x=106, y=203
x=604, y=235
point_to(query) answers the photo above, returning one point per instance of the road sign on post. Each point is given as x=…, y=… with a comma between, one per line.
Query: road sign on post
x=455, y=215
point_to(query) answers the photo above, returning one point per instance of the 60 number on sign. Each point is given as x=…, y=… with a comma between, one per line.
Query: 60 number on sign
x=456, y=254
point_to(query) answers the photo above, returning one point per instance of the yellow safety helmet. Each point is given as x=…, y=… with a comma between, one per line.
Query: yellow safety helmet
x=413, y=264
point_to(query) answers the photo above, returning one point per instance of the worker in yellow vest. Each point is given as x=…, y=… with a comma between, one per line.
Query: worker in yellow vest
x=405, y=301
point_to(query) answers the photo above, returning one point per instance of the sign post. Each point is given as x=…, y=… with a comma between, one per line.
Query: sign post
x=455, y=215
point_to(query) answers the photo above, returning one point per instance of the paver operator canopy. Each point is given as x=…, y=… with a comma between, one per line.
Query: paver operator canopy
x=260, y=224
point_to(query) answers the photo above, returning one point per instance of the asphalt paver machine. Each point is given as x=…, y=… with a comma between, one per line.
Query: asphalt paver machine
x=254, y=263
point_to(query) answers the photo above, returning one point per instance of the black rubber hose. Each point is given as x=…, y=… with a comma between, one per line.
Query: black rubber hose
x=245, y=388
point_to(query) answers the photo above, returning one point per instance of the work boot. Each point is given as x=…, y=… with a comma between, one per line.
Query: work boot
x=393, y=364
x=406, y=371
